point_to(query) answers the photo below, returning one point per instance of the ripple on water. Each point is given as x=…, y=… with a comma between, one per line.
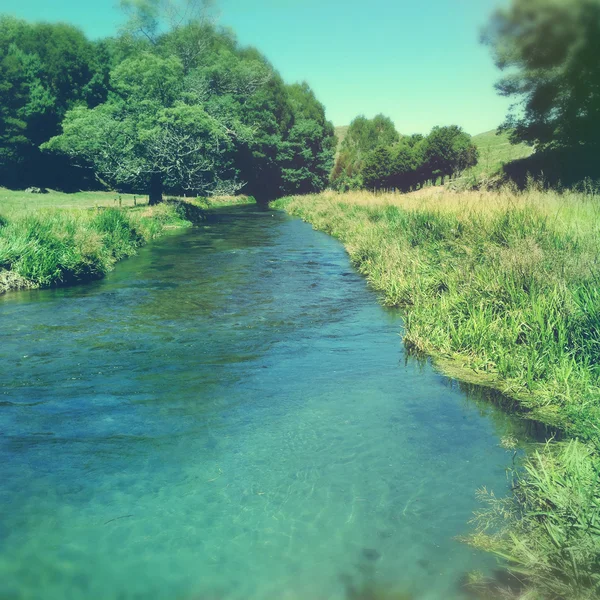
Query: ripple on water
x=229, y=415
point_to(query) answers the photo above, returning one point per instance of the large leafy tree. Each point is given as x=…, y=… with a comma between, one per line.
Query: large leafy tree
x=362, y=137
x=172, y=103
x=17, y=71
x=47, y=69
x=147, y=136
x=307, y=154
x=449, y=150
x=377, y=168
x=269, y=112
x=550, y=51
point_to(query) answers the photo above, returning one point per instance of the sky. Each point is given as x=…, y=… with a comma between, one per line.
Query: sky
x=419, y=62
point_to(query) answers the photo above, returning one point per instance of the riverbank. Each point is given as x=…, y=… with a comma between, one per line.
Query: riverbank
x=42, y=246
x=500, y=289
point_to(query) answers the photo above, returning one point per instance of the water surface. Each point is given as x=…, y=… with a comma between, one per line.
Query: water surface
x=230, y=415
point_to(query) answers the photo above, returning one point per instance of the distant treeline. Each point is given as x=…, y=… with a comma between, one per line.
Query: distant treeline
x=165, y=105
x=373, y=155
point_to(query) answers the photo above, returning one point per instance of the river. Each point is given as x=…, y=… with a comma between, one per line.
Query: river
x=231, y=415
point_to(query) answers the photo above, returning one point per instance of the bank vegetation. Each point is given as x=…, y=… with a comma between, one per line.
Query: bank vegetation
x=48, y=247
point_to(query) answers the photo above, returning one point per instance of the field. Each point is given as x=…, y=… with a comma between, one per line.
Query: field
x=20, y=201
x=501, y=289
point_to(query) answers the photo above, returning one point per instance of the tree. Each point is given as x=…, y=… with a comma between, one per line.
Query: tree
x=58, y=69
x=307, y=154
x=149, y=19
x=172, y=103
x=16, y=78
x=406, y=162
x=377, y=168
x=363, y=136
x=550, y=50
x=146, y=136
x=448, y=151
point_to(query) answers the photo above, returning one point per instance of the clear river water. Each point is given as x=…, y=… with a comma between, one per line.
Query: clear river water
x=231, y=415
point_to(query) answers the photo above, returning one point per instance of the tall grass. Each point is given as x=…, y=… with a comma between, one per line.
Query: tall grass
x=549, y=529
x=53, y=246
x=503, y=288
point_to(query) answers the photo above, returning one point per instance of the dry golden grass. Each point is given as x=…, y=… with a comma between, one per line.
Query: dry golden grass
x=568, y=209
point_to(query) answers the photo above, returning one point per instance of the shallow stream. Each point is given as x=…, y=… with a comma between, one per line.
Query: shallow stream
x=230, y=415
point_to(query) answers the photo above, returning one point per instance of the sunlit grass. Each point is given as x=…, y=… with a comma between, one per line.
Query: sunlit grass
x=18, y=201
x=494, y=152
x=56, y=238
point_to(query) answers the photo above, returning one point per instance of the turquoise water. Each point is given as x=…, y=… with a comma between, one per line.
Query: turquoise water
x=230, y=415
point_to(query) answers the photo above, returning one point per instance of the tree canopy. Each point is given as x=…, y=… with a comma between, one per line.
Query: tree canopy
x=363, y=136
x=46, y=69
x=375, y=156
x=550, y=52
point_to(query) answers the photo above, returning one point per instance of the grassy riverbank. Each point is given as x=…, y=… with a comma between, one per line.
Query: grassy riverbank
x=58, y=239
x=501, y=289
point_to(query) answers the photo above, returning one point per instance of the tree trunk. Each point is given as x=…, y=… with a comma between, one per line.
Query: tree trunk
x=156, y=189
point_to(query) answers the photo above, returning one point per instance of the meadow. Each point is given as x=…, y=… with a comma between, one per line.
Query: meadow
x=501, y=289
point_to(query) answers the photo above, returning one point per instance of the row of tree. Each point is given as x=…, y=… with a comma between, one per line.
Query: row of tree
x=170, y=104
x=549, y=52
x=375, y=156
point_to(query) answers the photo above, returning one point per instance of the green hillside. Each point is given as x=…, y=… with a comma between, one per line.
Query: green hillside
x=495, y=151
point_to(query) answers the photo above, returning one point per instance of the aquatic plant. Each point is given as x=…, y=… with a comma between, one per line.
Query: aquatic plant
x=548, y=530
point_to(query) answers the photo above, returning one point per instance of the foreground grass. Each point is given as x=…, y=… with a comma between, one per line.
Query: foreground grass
x=501, y=288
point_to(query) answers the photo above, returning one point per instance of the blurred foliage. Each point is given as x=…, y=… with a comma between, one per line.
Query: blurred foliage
x=549, y=51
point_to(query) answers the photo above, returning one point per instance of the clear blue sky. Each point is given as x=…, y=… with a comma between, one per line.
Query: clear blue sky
x=418, y=61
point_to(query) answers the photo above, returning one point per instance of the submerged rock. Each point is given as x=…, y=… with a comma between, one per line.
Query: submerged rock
x=371, y=554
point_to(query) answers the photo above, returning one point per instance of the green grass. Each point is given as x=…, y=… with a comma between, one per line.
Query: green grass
x=57, y=239
x=504, y=288
x=12, y=201
x=549, y=529
x=49, y=247
x=494, y=152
